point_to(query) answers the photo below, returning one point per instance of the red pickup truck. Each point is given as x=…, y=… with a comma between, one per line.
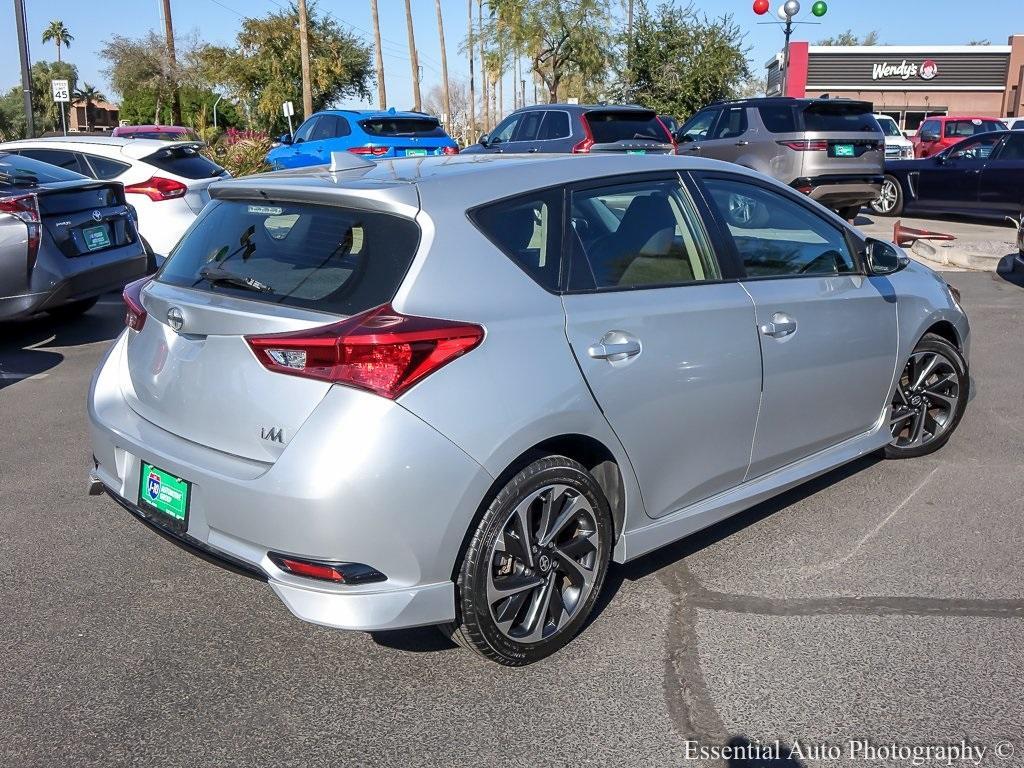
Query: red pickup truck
x=937, y=133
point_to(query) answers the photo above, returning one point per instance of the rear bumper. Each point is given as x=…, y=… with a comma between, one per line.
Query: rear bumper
x=378, y=487
x=841, y=191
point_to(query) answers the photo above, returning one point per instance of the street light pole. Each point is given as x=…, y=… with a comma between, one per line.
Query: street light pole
x=785, y=54
x=26, y=67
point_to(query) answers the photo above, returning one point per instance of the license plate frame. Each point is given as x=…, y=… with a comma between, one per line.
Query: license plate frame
x=94, y=243
x=164, y=496
x=844, y=150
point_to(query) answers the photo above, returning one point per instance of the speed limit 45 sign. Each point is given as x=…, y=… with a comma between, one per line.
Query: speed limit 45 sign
x=61, y=92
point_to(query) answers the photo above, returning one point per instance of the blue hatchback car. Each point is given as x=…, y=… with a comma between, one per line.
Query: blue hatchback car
x=372, y=134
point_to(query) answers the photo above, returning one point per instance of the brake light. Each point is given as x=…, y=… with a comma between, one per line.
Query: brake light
x=134, y=312
x=806, y=145
x=26, y=208
x=158, y=188
x=375, y=151
x=380, y=350
x=583, y=147
x=450, y=151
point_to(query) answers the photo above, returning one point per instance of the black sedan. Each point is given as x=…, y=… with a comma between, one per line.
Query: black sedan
x=981, y=176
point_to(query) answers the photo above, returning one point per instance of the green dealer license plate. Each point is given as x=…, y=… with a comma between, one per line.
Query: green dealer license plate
x=843, y=150
x=167, y=494
x=415, y=152
x=636, y=151
x=96, y=237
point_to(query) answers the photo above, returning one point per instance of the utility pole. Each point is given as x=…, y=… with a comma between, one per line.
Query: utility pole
x=382, y=94
x=444, y=68
x=414, y=60
x=472, y=83
x=172, y=64
x=26, y=67
x=307, y=91
x=484, y=74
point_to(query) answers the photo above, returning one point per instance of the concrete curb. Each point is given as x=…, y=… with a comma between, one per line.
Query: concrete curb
x=985, y=257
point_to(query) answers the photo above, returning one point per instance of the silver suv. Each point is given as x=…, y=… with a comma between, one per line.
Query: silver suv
x=832, y=150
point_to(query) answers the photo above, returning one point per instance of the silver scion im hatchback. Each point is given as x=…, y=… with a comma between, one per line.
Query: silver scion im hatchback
x=451, y=390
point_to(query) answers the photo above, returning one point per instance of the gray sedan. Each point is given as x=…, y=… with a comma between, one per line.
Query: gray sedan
x=64, y=239
x=452, y=390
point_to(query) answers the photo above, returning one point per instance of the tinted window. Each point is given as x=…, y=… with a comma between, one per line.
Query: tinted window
x=305, y=129
x=1019, y=125
x=697, y=127
x=888, y=126
x=732, y=123
x=776, y=236
x=778, y=118
x=839, y=118
x=403, y=126
x=979, y=149
x=608, y=127
x=17, y=171
x=184, y=161
x=528, y=230
x=642, y=235
x=105, y=168
x=928, y=126
x=164, y=135
x=556, y=126
x=330, y=127
x=965, y=128
x=1013, y=149
x=529, y=125
x=62, y=158
x=319, y=257
x=505, y=129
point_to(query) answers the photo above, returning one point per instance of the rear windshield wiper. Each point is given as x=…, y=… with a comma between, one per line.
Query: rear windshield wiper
x=221, y=275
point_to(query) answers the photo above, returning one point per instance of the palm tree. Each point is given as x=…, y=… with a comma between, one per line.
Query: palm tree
x=59, y=34
x=88, y=94
x=382, y=94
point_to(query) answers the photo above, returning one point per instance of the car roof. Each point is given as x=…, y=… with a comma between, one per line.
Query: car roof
x=374, y=113
x=129, y=147
x=586, y=107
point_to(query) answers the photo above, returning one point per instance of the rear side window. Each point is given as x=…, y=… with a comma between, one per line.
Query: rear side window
x=62, y=158
x=17, y=171
x=778, y=118
x=607, y=127
x=331, y=259
x=423, y=127
x=964, y=128
x=840, y=118
x=556, y=126
x=184, y=161
x=527, y=229
x=105, y=168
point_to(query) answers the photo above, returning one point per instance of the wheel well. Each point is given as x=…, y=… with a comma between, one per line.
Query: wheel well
x=946, y=330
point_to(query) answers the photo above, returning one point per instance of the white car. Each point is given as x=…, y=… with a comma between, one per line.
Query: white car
x=165, y=181
x=897, y=146
x=1014, y=123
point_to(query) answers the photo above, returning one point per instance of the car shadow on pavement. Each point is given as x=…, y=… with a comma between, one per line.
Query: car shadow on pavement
x=28, y=347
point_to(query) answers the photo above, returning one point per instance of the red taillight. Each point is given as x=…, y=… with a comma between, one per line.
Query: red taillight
x=375, y=151
x=157, y=188
x=380, y=350
x=583, y=147
x=450, y=150
x=26, y=208
x=806, y=145
x=134, y=312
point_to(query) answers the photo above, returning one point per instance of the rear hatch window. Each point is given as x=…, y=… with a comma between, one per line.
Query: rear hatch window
x=838, y=117
x=319, y=257
x=608, y=126
x=418, y=127
x=184, y=161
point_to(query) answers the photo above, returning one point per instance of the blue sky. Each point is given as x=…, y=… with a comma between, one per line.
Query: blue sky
x=909, y=23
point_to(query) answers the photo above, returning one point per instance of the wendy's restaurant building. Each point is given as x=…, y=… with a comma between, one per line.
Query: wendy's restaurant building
x=909, y=83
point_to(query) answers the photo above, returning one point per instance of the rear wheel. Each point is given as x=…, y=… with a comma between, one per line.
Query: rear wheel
x=849, y=213
x=74, y=309
x=890, y=199
x=535, y=564
x=930, y=399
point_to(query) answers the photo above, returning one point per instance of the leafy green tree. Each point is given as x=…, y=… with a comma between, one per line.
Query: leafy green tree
x=46, y=112
x=849, y=38
x=680, y=61
x=263, y=68
x=139, y=107
x=57, y=33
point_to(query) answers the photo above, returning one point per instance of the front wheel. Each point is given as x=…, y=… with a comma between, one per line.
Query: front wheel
x=535, y=564
x=890, y=199
x=930, y=399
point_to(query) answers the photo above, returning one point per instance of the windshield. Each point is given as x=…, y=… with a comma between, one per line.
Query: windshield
x=164, y=135
x=322, y=257
x=608, y=126
x=18, y=171
x=889, y=127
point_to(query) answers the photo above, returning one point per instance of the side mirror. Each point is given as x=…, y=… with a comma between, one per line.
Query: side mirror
x=285, y=138
x=483, y=140
x=884, y=258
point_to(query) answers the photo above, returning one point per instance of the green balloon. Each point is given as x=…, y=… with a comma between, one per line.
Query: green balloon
x=820, y=8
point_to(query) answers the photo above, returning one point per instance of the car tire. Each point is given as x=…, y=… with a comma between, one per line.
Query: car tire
x=73, y=309
x=890, y=199
x=849, y=213
x=534, y=565
x=930, y=399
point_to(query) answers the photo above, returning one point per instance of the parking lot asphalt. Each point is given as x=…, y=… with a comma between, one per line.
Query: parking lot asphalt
x=884, y=601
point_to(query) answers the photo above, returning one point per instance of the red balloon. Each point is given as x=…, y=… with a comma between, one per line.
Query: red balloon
x=761, y=7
